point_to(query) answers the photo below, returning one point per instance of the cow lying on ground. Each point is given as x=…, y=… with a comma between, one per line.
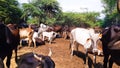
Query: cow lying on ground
x=32, y=60
x=50, y=35
x=9, y=40
x=111, y=45
x=87, y=38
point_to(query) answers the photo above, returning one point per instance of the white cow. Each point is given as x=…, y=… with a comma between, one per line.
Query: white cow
x=50, y=35
x=35, y=35
x=42, y=28
x=87, y=38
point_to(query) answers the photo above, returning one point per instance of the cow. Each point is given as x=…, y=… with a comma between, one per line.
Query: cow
x=36, y=39
x=26, y=33
x=33, y=60
x=50, y=35
x=85, y=37
x=111, y=45
x=42, y=28
x=9, y=40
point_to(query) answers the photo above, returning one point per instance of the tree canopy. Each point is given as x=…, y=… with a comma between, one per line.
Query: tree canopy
x=112, y=15
x=49, y=12
x=9, y=11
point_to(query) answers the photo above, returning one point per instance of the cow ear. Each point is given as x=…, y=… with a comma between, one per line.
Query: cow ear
x=100, y=35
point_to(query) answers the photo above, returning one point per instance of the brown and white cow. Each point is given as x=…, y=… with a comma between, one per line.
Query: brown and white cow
x=26, y=33
x=9, y=40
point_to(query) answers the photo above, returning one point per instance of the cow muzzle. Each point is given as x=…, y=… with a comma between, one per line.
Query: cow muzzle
x=95, y=51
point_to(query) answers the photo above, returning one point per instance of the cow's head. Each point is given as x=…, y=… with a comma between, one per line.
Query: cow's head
x=33, y=60
x=95, y=38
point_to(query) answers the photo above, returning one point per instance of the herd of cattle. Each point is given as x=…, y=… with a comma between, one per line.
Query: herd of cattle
x=12, y=37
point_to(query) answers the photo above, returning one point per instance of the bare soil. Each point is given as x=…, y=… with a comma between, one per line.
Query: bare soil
x=61, y=55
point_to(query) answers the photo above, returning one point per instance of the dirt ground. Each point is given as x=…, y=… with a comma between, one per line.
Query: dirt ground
x=61, y=55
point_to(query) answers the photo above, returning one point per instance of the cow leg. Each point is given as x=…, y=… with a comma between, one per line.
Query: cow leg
x=86, y=60
x=110, y=62
x=86, y=57
x=1, y=63
x=43, y=37
x=50, y=40
x=34, y=43
x=105, y=60
x=16, y=55
x=8, y=59
x=72, y=48
x=77, y=47
x=94, y=58
x=30, y=42
x=20, y=43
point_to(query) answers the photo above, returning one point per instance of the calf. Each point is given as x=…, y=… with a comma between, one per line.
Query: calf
x=32, y=60
x=50, y=35
x=26, y=33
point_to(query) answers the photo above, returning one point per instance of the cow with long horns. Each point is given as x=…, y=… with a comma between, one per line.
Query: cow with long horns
x=33, y=60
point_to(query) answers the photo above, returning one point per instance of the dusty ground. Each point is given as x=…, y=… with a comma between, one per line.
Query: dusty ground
x=61, y=55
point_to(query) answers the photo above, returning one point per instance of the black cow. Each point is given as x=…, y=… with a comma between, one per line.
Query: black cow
x=9, y=40
x=32, y=60
x=111, y=45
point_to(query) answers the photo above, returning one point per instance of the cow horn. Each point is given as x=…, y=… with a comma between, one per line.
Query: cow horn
x=50, y=52
x=37, y=57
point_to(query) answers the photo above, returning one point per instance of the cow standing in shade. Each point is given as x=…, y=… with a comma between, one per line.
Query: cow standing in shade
x=9, y=40
x=87, y=38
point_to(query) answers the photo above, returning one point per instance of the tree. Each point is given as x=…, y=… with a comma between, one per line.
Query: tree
x=112, y=16
x=9, y=11
x=46, y=11
x=89, y=19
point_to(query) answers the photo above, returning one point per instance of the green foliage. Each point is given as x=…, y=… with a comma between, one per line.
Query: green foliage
x=47, y=11
x=112, y=16
x=88, y=19
x=9, y=11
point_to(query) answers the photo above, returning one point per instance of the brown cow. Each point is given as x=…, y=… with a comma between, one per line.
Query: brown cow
x=9, y=40
x=26, y=33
